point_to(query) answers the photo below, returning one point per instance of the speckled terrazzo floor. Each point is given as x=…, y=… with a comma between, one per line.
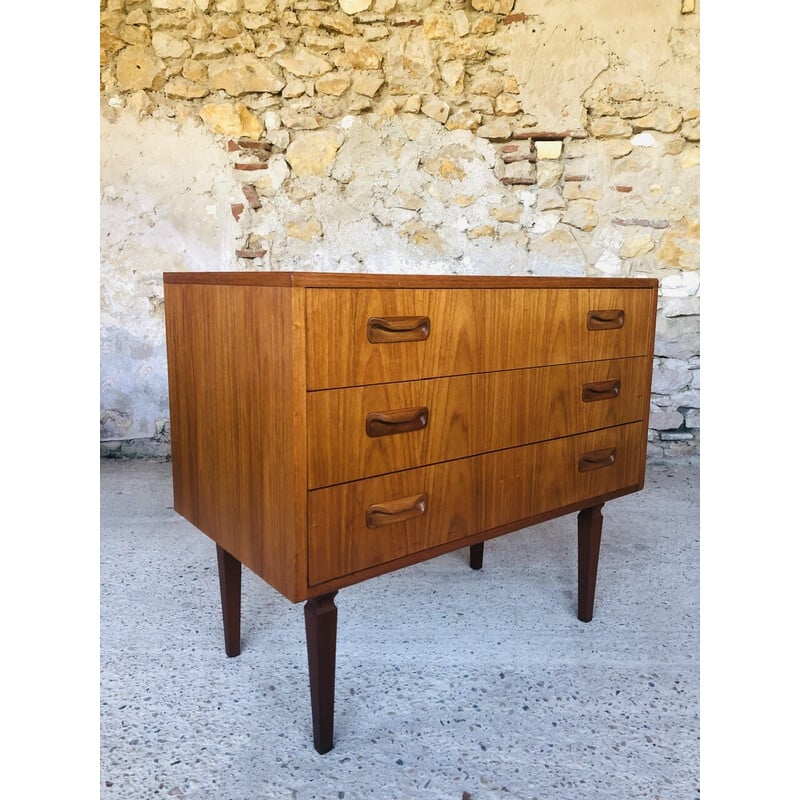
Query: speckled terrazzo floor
x=450, y=683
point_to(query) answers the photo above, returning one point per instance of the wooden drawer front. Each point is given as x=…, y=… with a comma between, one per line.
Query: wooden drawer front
x=463, y=497
x=424, y=333
x=465, y=415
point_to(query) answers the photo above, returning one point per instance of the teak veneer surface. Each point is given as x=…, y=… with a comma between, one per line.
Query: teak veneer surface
x=471, y=330
x=271, y=374
x=467, y=414
x=464, y=497
x=354, y=280
x=237, y=400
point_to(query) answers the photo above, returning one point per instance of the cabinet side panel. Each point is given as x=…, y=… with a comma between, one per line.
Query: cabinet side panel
x=651, y=349
x=232, y=381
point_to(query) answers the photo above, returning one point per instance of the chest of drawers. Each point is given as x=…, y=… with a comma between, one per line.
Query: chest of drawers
x=328, y=428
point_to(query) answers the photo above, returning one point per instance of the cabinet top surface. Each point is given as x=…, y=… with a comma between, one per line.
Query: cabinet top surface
x=346, y=280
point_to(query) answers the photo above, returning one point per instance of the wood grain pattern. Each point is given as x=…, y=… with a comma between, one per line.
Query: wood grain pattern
x=467, y=414
x=471, y=330
x=237, y=407
x=355, y=280
x=466, y=496
x=245, y=446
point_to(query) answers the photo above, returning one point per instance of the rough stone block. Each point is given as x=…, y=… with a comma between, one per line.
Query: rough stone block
x=493, y=6
x=242, y=75
x=184, y=89
x=692, y=417
x=314, y=153
x=335, y=83
x=520, y=169
x=609, y=127
x=453, y=75
x=304, y=64
x=681, y=307
x=549, y=200
x=436, y=26
x=581, y=214
x=354, y=6
x=496, y=129
x=663, y=419
x=625, y=91
x=435, y=108
x=506, y=104
x=548, y=149
x=549, y=173
x=232, y=120
x=664, y=119
x=677, y=337
x=138, y=68
x=670, y=375
x=460, y=23
x=358, y=54
x=508, y=213
x=367, y=83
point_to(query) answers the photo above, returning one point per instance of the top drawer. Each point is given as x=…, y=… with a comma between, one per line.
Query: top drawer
x=364, y=336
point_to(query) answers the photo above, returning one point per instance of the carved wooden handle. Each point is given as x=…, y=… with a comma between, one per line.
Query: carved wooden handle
x=605, y=320
x=600, y=390
x=385, y=330
x=597, y=459
x=399, y=510
x=401, y=420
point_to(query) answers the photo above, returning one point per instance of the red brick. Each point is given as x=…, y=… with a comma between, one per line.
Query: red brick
x=249, y=191
x=514, y=18
x=250, y=253
x=236, y=210
x=250, y=144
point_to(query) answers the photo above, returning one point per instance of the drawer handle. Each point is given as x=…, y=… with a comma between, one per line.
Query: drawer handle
x=385, y=330
x=605, y=320
x=401, y=420
x=600, y=390
x=597, y=459
x=398, y=510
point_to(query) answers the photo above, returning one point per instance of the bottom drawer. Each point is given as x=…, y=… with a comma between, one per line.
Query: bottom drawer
x=369, y=522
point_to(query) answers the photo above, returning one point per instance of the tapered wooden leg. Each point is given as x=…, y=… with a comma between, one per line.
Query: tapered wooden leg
x=590, y=527
x=476, y=555
x=320, y=614
x=230, y=589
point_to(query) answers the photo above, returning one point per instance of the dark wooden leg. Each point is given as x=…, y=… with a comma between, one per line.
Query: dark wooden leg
x=590, y=526
x=320, y=614
x=230, y=588
x=476, y=555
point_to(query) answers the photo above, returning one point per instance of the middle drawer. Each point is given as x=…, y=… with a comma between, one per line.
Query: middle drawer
x=372, y=430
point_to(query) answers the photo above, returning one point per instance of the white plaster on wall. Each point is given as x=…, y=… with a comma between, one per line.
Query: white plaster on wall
x=165, y=205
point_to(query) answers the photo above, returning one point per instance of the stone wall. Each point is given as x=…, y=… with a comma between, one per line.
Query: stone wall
x=455, y=136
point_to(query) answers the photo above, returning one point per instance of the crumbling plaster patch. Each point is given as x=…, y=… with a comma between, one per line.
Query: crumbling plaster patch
x=567, y=45
x=165, y=205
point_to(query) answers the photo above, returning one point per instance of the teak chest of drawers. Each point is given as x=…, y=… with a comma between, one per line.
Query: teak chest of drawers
x=330, y=428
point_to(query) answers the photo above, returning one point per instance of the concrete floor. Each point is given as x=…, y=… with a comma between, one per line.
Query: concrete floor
x=450, y=683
